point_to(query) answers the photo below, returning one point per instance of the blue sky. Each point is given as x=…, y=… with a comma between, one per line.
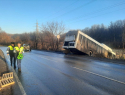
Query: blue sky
x=18, y=16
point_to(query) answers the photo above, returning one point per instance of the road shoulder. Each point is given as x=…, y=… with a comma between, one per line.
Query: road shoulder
x=13, y=89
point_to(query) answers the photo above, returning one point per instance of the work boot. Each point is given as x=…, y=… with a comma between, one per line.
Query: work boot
x=19, y=69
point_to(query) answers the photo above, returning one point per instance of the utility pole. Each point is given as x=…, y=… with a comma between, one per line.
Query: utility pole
x=58, y=37
x=123, y=40
x=37, y=33
x=37, y=27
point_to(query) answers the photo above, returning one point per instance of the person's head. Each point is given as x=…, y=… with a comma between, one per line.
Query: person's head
x=19, y=44
x=12, y=44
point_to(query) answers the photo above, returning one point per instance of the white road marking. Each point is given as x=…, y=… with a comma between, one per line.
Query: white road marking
x=91, y=72
x=100, y=75
x=18, y=81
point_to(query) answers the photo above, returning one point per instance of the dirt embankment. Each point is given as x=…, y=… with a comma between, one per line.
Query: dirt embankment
x=120, y=53
x=4, y=69
x=3, y=66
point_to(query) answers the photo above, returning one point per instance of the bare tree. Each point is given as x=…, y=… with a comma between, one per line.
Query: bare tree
x=4, y=38
x=17, y=38
x=25, y=38
x=51, y=30
x=33, y=39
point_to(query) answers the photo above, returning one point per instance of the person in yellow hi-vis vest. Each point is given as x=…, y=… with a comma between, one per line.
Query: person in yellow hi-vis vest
x=11, y=53
x=18, y=50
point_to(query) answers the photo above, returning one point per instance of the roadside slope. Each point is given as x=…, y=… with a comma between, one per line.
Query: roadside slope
x=4, y=68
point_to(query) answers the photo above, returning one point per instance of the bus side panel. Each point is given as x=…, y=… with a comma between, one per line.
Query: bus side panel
x=82, y=44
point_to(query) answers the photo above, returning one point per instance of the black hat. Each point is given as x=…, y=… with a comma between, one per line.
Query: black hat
x=18, y=42
x=12, y=42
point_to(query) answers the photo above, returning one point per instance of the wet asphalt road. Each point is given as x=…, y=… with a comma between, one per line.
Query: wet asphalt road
x=47, y=73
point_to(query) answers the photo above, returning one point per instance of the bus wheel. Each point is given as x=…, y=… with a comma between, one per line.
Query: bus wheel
x=90, y=53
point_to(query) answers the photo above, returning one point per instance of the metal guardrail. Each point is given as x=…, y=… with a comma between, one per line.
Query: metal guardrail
x=7, y=75
x=6, y=82
x=7, y=79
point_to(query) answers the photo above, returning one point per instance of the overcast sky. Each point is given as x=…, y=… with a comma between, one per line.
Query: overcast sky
x=18, y=16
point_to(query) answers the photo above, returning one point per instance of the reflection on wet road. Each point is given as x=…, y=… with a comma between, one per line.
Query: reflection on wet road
x=47, y=73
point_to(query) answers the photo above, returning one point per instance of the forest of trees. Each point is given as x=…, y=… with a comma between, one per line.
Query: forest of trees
x=112, y=35
x=45, y=39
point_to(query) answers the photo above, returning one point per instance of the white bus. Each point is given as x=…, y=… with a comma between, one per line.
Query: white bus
x=78, y=42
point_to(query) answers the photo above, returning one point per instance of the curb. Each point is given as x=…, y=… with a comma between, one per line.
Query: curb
x=15, y=75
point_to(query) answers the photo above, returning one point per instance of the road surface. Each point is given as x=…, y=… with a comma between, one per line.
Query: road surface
x=47, y=73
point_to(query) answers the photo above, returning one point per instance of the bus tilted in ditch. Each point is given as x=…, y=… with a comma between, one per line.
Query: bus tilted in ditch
x=78, y=42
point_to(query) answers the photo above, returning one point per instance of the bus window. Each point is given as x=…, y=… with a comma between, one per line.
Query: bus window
x=66, y=44
x=71, y=44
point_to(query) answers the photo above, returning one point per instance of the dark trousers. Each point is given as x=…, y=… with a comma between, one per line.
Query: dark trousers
x=19, y=63
x=13, y=61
